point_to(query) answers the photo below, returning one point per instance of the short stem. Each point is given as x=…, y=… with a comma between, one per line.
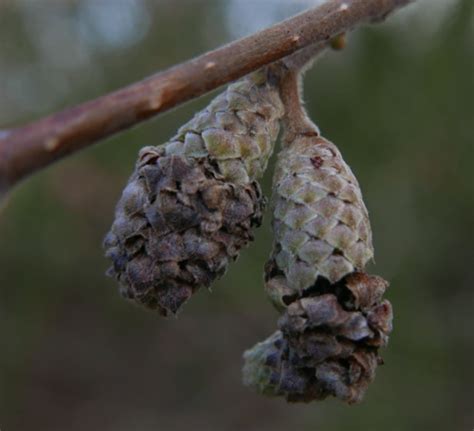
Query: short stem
x=296, y=121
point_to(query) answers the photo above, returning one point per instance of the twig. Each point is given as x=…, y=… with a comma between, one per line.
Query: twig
x=29, y=148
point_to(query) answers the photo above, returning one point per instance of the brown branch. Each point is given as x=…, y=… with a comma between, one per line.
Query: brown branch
x=29, y=148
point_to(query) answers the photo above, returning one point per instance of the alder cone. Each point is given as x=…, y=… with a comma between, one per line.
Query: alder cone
x=321, y=225
x=192, y=203
x=327, y=344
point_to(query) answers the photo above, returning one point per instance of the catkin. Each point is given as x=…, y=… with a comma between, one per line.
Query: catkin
x=192, y=203
x=333, y=317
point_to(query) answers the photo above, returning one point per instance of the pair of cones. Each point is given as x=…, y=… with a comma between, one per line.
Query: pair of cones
x=192, y=204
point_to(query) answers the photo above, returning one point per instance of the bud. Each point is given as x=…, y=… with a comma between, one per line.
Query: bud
x=192, y=203
x=327, y=344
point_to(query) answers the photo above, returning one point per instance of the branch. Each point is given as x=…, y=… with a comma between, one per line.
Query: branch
x=29, y=148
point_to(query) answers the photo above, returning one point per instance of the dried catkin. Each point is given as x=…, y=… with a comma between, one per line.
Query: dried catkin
x=327, y=344
x=192, y=203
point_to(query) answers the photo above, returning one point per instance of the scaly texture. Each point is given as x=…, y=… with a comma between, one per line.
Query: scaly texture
x=191, y=204
x=321, y=224
x=327, y=344
x=333, y=318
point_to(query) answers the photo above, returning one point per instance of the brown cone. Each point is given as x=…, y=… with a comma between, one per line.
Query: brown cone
x=177, y=228
x=327, y=344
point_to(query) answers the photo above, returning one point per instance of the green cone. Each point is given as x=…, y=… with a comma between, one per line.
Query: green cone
x=321, y=225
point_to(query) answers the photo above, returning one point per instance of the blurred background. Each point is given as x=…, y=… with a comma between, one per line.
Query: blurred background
x=398, y=101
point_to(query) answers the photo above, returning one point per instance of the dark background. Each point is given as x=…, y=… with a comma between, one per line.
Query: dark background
x=398, y=101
